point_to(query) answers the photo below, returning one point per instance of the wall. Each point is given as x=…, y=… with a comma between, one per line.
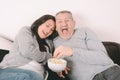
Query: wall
x=102, y=16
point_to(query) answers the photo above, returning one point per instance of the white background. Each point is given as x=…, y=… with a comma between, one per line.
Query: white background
x=102, y=16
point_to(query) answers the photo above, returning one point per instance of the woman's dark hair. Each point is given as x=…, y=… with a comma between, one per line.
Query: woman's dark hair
x=34, y=29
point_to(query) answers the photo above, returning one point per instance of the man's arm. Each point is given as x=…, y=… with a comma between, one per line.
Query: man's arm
x=94, y=53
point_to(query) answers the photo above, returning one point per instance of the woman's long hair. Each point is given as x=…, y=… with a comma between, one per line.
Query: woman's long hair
x=34, y=29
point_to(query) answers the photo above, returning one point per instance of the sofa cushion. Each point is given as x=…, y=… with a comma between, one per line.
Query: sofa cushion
x=3, y=52
x=113, y=50
x=5, y=43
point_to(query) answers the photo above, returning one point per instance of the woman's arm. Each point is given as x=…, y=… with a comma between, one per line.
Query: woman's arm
x=28, y=46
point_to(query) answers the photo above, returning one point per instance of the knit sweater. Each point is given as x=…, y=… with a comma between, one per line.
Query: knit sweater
x=89, y=55
x=25, y=50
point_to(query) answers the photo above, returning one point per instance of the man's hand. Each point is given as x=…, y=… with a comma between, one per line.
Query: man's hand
x=66, y=71
x=62, y=51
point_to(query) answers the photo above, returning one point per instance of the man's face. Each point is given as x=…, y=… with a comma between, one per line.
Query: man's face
x=65, y=25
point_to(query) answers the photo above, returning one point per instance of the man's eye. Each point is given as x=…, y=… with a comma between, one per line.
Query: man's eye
x=59, y=21
x=67, y=20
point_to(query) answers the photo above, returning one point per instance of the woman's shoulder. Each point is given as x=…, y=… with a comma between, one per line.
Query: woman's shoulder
x=24, y=31
x=25, y=28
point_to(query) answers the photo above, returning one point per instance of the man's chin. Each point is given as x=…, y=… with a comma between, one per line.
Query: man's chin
x=64, y=37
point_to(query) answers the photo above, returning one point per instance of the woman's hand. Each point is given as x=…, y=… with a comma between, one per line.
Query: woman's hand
x=63, y=73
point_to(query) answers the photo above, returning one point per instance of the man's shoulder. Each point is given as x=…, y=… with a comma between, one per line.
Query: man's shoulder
x=82, y=28
x=24, y=28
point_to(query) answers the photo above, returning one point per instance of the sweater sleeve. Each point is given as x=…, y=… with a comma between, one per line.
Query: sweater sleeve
x=94, y=53
x=27, y=46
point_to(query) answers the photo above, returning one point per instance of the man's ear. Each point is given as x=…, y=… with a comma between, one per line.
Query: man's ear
x=74, y=23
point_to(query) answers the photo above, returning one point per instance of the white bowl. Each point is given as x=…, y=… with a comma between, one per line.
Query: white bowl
x=57, y=65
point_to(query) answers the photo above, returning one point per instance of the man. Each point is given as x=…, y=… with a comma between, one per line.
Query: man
x=85, y=53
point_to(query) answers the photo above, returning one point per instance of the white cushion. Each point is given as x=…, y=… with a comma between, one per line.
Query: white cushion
x=5, y=43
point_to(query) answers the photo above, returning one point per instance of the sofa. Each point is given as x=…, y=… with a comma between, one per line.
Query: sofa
x=113, y=49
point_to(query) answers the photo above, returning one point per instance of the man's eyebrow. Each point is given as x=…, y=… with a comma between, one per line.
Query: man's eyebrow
x=59, y=19
x=64, y=19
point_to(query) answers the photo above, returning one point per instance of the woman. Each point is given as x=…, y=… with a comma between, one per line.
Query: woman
x=32, y=47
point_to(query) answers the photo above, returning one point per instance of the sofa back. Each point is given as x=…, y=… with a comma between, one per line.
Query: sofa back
x=113, y=50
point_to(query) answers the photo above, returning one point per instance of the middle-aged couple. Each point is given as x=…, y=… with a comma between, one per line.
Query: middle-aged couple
x=33, y=46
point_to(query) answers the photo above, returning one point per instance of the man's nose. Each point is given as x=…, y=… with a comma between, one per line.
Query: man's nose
x=64, y=23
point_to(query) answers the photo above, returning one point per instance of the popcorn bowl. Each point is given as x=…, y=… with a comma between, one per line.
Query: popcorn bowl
x=57, y=65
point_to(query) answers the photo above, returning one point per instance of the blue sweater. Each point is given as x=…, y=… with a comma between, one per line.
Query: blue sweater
x=89, y=57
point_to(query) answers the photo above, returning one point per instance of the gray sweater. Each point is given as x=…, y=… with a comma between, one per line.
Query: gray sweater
x=89, y=57
x=25, y=50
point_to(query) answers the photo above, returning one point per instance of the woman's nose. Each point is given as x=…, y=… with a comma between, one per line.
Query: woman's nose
x=49, y=30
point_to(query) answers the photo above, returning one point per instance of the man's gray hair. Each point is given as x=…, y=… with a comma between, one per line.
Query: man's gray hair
x=65, y=11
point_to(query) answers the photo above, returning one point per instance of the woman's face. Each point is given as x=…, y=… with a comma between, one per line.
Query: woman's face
x=46, y=29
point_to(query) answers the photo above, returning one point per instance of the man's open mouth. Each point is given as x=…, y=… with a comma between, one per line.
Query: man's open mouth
x=65, y=31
